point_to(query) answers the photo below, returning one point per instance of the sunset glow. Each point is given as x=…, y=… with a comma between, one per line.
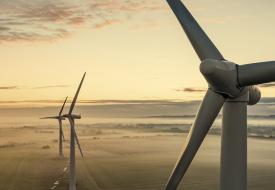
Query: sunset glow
x=130, y=49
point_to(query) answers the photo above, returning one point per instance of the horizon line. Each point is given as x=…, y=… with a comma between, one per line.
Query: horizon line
x=102, y=101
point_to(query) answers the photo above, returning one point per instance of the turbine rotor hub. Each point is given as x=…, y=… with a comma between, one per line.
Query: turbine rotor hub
x=222, y=76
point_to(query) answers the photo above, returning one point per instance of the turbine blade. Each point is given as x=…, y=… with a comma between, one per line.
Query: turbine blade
x=76, y=94
x=203, y=46
x=76, y=137
x=208, y=111
x=60, y=112
x=256, y=73
x=78, y=144
x=52, y=117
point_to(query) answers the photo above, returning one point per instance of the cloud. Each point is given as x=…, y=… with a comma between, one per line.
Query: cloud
x=40, y=20
x=267, y=85
x=8, y=87
x=38, y=87
x=190, y=90
x=106, y=23
x=30, y=101
x=78, y=20
x=51, y=86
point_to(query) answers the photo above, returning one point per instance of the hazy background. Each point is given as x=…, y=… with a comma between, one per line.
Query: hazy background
x=129, y=112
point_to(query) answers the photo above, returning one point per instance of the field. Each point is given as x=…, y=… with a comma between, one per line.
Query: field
x=119, y=158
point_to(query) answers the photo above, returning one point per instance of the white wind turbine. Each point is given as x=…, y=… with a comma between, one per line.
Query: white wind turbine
x=71, y=117
x=230, y=87
x=59, y=118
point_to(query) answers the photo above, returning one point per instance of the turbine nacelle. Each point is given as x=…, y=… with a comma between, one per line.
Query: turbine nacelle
x=61, y=118
x=54, y=117
x=254, y=95
x=72, y=116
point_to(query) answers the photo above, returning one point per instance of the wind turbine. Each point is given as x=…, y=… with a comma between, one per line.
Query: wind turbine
x=59, y=118
x=71, y=117
x=230, y=87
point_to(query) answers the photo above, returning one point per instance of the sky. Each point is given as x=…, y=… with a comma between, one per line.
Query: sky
x=130, y=49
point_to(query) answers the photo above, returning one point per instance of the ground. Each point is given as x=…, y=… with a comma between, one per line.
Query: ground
x=117, y=158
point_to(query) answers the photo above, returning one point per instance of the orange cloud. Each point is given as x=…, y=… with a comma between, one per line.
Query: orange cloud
x=8, y=87
x=106, y=23
x=39, y=20
x=190, y=90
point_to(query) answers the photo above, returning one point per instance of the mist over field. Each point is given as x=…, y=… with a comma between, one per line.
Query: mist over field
x=127, y=145
x=131, y=112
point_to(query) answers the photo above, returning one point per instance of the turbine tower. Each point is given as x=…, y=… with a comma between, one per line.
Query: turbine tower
x=230, y=87
x=71, y=117
x=59, y=118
